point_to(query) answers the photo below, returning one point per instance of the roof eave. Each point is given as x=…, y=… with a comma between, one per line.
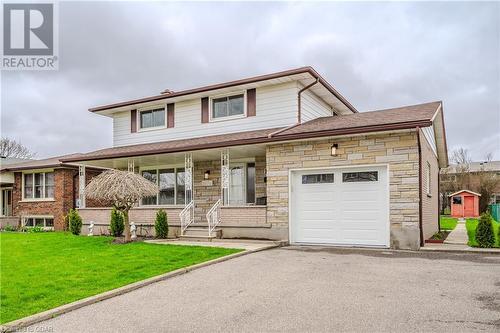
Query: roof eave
x=254, y=79
x=264, y=139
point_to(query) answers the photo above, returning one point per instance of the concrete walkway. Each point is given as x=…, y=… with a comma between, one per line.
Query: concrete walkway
x=458, y=235
x=248, y=245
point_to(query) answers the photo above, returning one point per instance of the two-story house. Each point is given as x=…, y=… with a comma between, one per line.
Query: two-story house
x=280, y=156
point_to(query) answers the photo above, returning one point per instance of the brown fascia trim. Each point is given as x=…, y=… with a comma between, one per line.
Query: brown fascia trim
x=420, y=223
x=263, y=139
x=253, y=79
x=444, y=135
x=49, y=166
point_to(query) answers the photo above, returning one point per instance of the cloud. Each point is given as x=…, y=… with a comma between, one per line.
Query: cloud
x=378, y=55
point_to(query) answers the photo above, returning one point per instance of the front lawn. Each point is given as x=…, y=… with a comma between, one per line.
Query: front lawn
x=447, y=223
x=40, y=271
x=471, y=225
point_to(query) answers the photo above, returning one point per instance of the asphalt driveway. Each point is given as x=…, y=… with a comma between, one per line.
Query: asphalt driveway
x=305, y=289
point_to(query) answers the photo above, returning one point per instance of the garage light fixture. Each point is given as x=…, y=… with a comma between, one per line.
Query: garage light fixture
x=334, y=149
x=207, y=174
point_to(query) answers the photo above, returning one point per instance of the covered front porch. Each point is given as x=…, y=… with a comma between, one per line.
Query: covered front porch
x=206, y=193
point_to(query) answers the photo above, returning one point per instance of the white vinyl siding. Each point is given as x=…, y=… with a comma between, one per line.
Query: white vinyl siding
x=313, y=107
x=276, y=106
x=429, y=136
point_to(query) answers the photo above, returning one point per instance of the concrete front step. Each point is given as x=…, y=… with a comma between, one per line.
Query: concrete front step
x=201, y=233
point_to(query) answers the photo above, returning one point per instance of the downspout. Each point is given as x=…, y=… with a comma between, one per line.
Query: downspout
x=420, y=188
x=299, y=110
x=440, y=201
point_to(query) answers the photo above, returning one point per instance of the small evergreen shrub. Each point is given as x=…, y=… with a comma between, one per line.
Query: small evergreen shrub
x=161, y=224
x=75, y=222
x=485, y=237
x=117, y=225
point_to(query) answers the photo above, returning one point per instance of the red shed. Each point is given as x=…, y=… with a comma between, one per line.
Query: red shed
x=464, y=203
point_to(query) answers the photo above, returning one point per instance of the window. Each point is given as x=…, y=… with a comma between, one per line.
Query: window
x=318, y=178
x=35, y=221
x=152, y=118
x=457, y=200
x=39, y=185
x=228, y=106
x=428, y=178
x=171, y=184
x=251, y=183
x=363, y=176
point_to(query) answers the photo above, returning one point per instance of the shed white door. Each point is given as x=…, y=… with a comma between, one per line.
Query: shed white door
x=340, y=206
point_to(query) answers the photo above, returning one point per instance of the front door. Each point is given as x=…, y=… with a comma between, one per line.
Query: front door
x=237, y=188
x=468, y=206
x=7, y=202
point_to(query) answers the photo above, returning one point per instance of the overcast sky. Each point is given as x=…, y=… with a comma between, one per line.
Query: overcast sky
x=378, y=55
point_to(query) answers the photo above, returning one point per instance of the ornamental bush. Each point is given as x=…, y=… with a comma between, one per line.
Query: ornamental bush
x=485, y=236
x=75, y=222
x=117, y=225
x=161, y=224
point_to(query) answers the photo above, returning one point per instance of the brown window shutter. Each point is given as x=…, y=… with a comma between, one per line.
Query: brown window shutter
x=133, y=121
x=170, y=115
x=251, y=105
x=204, y=110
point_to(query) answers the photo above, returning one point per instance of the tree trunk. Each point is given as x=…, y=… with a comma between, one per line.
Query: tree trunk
x=127, y=226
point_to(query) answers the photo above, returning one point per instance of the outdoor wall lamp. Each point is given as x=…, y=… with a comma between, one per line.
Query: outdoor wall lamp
x=207, y=174
x=334, y=149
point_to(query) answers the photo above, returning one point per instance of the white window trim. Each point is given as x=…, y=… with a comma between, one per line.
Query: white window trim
x=44, y=217
x=149, y=108
x=157, y=168
x=238, y=116
x=43, y=198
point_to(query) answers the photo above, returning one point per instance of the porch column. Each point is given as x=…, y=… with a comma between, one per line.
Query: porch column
x=131, y=166
x=225, y=176
x=81, y=187
x=188, y=178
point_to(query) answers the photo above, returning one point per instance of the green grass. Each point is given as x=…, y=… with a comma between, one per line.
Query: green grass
x=40, y=271
x=447, y=223
x=471, y=225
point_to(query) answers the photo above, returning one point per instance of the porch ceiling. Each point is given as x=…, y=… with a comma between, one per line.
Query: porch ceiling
x=239, y=152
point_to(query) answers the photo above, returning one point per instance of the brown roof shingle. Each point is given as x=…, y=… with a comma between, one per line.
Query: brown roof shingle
x=390, y=119
x=51, y=162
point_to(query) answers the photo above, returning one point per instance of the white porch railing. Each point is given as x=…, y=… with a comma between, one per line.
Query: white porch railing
x=213, y=217
x=187, y=216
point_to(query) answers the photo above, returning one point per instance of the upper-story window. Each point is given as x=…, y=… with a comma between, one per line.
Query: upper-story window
x=38, y=185
x=228, y=106
x=152, y=118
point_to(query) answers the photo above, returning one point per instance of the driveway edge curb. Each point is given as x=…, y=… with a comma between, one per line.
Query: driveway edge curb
x=18, y=324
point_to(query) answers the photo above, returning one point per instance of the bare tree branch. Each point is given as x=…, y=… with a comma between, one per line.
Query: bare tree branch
x=123, y=188
x=12, y=148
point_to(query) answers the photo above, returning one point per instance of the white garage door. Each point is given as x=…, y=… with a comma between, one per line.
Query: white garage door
x=340, y=206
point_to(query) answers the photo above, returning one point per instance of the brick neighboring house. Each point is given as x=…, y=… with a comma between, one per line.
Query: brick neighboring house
x=42, y=191
x=453, y=181
x=279, y=156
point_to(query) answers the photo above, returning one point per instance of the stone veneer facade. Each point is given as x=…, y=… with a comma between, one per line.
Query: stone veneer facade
x=398, y=150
